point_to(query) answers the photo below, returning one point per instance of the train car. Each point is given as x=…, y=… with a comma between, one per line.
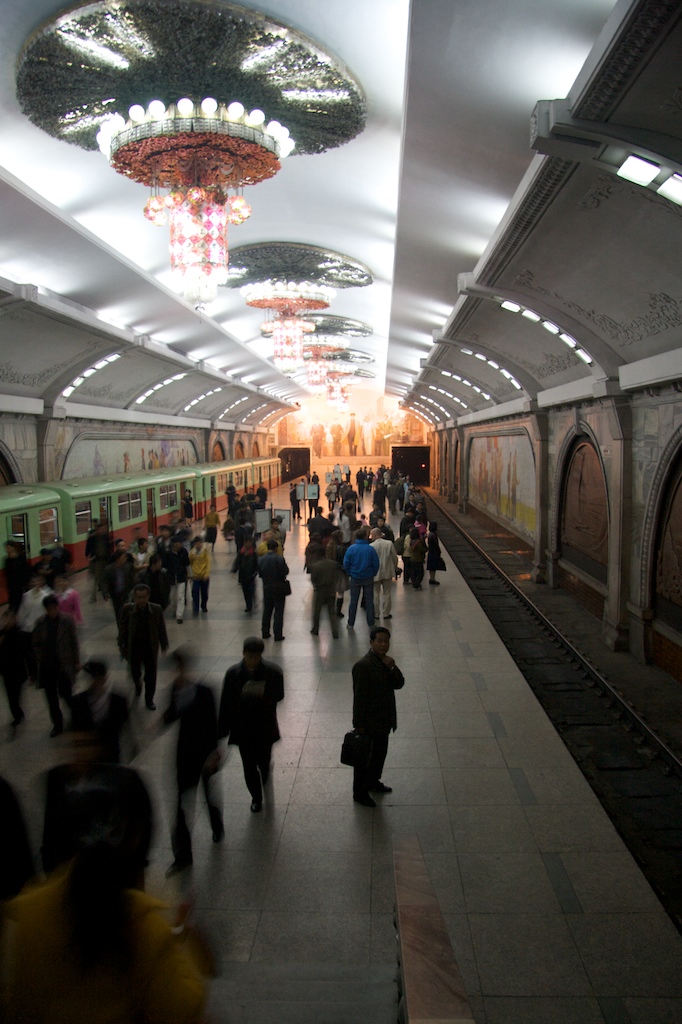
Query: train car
x=133, y=505
x=31, y=515
x=244, y=474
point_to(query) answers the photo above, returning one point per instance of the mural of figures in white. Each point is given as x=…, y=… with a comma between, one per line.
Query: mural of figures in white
x=502, y=479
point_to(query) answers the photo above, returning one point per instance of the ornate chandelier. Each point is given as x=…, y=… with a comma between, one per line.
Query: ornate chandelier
x=197, y=152
x=287, y=338
x=337, y=394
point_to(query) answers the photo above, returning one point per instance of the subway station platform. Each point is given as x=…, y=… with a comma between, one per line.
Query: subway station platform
x=550, y=918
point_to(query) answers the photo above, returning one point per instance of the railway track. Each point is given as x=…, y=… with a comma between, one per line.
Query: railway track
x=636, y=776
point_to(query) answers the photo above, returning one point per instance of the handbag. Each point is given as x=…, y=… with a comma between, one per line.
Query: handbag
x=441, y=567
x=354, y=749
x=286, y=588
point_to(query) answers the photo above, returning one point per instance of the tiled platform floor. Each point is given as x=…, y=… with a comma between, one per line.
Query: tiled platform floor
x=550, y=917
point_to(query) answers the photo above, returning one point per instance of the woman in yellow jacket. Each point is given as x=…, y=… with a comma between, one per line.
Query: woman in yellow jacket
x=200, y=564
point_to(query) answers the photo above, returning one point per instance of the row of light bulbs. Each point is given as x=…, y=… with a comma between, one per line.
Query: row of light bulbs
x=185, y=107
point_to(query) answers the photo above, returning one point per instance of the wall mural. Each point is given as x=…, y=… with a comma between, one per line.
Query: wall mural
x=502, y=479
x=103, y=457
x=367, y=429
x=584, y=519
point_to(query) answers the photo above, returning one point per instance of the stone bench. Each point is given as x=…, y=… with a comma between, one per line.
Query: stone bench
x=431, y=987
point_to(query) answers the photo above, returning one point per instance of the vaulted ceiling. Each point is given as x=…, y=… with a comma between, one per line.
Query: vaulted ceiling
x=442, y=197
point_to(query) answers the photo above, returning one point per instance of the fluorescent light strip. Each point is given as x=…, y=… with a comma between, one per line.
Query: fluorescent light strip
x=530, y=314
x=77, y=381
x=157, y=387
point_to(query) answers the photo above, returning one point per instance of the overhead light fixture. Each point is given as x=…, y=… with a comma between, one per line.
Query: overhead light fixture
x=672, y=189
x=641, y=172
x=513, y=307
x=530, y=314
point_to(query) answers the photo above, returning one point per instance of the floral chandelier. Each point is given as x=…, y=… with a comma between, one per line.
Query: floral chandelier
x=287, y=300
x=175, y=95
x=198, y=152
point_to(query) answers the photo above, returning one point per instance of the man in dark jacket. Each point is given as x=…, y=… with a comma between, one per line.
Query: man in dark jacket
x=324, y=576
x=197, y=755
x=177, y=567
x=118, y=580
x=376, y=677
x=248, y=714
x=55, y=644
x=158, y=581
x=273, y=570
x=141, y=632
x=101, y=711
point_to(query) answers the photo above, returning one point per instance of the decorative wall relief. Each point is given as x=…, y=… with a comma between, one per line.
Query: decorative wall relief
x=103, y=456
x=502, y=479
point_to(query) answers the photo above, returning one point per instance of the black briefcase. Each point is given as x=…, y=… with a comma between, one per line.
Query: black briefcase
x=354, y=749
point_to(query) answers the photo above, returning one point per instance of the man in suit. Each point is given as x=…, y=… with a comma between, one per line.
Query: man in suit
x=248, y=714
x=376, y=677
x=142, y=631
x=197, y=757
x=273, y=570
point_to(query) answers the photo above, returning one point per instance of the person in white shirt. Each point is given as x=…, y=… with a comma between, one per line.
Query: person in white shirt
x=388, y=563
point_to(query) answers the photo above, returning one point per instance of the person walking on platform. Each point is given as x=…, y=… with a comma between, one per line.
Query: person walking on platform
x=324, y=575
x=12, y=664
x=273, y=570
x=118, y=580
x=197, y=756
x=417, y=555
x=246, y=567
x=376, y=677
x=142, y=631
x=434, y=559
x=55, y=643
x=212, y=525
x=177, y=567
x=361, y=564
x=248, y=714
x=295, y=503
x=101, y=711
x=383, y=581
x=200, y=562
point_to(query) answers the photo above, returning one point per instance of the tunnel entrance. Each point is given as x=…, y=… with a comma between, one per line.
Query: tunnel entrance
x=414, y=460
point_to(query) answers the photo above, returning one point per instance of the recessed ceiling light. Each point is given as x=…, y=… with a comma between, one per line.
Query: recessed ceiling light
x=642, y=172
x=672, y=189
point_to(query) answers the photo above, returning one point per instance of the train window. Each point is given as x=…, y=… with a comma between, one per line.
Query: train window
x=213, y=487
x=168, y=495
x=123, y=508
x=83, y=517
x=136, y=504
x=48, y=525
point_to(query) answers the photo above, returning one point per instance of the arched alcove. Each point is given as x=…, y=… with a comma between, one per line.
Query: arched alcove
x=239, y=450
x=584, y=526
x=255, y=450
x=218, y=452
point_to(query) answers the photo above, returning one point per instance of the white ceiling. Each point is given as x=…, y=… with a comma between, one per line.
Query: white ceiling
x=418, y=197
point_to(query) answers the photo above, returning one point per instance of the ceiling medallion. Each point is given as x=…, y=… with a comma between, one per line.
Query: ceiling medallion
x=195, y=97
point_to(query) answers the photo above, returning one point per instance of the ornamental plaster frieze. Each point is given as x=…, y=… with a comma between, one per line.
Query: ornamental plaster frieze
x=607, y=187
x=627, y=59
x=664, y=314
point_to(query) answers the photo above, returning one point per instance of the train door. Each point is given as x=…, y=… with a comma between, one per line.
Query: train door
x=105, y=510
x=151, y=513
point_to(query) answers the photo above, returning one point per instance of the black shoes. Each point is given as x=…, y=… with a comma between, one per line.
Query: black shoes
x=278, y=639
x=366, y=801
x=57, y=731
x=150, y=705
x=256, y=807
x=218, y=834
x=314, y=632
x=379, y=787
x=434, y=583
x=266, y=636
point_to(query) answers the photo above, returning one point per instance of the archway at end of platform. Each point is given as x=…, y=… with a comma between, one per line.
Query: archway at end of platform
x=295, y=462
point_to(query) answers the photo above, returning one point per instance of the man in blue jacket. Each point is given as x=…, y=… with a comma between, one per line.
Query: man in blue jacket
x=361, y=564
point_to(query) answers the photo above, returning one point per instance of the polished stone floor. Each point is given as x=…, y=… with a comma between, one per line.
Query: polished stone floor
x=550, y=917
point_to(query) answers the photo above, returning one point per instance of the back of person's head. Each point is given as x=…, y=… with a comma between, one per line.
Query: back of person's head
x=272, y=544
x=414, y=533
x=110, y=822
x=253, y=645
x=363, y=533
x=376, y=534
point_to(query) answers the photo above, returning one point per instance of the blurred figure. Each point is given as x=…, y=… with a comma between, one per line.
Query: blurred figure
x=30, y=610
x=97, y=549
x=17, y=574
x=55, y=643
x=100, y=711
x=248, y=714
x=324, y=575
x=118, y=579
x=69, y=599
x=88, y=944
x=142, y=631
x=158, y=581
x=12, y=664
x=197, y=756
x=16, y=862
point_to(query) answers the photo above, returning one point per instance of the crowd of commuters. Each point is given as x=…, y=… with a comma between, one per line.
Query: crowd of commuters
x=98, y=818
